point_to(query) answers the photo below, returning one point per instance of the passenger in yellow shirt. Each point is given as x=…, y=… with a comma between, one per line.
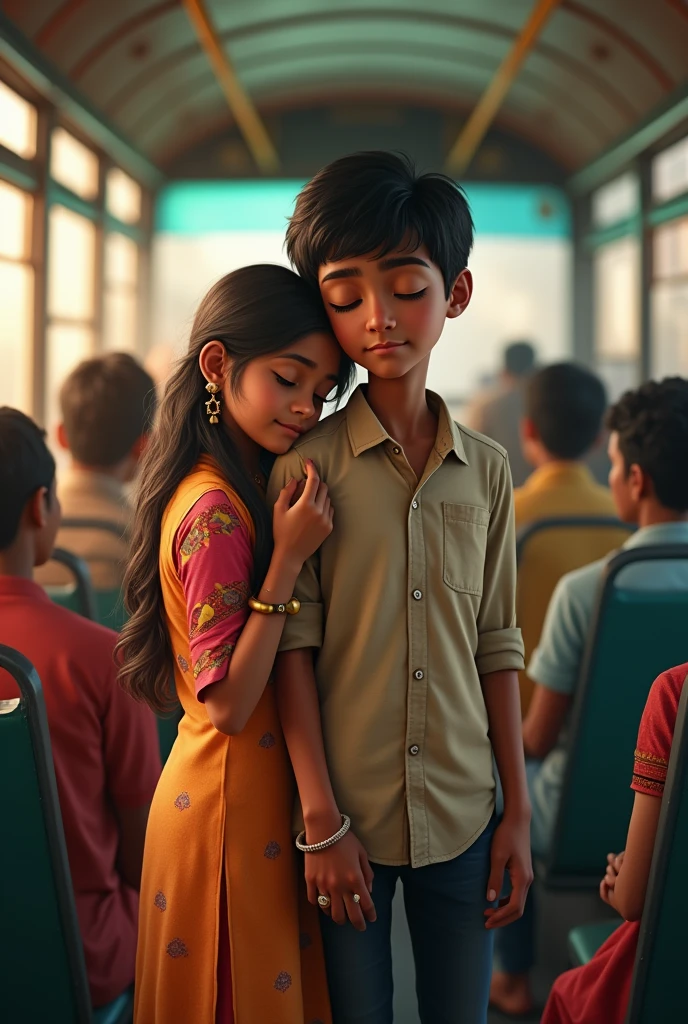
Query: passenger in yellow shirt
x=564, y=409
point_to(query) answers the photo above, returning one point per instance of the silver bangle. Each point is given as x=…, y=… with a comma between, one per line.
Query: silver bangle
x=326, y=843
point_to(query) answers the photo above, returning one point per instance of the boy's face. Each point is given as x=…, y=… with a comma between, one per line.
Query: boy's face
x=626, y=485
x=388, y=313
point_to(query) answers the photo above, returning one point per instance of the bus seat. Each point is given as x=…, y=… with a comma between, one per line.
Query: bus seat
x=44, y=974
x=616, y=674
x=585, y=940
x=545, y=551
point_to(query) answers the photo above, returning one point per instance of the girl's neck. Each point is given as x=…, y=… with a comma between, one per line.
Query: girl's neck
x=248, y=449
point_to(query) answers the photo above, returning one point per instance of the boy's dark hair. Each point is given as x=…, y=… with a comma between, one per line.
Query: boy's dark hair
x=652, y=426
x=566, y=403
x=26, y=465
x=107, y=404
x=376, y=203
x=519, y=358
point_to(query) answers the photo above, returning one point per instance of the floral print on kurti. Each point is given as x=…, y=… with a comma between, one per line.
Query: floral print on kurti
x=213, y=559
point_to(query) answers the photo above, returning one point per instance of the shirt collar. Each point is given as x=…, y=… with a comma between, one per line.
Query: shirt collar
x=19, y=586
x=366, y=431
x=659, y=533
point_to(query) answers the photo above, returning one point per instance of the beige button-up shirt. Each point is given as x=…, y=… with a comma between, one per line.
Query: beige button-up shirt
x=409, y=601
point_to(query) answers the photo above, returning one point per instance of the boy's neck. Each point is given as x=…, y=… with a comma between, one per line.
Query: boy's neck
x=401, y=405
x=654, y=514
x=17, y=560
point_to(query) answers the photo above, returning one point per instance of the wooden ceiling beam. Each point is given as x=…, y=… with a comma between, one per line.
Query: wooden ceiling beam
x=485, y=111
x=240, y=104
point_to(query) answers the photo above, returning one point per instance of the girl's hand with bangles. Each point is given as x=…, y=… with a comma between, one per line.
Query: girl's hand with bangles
x=340, y=872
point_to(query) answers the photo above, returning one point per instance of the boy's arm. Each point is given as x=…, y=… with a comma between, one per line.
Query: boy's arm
x=343, y=869
x=498, y=658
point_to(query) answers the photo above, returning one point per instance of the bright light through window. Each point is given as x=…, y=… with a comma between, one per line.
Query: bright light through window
x=15, y=223
x=16, y=331
x=670, y=172
x=74, y=165
x=71, y=265
x=17, y=123
x=616, y=201
x=123, y=197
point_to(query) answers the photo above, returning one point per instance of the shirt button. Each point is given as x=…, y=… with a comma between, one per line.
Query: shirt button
x=414, y=750
x=397, y=451
x=417, y=594
x=414, y=504
x=418, y=673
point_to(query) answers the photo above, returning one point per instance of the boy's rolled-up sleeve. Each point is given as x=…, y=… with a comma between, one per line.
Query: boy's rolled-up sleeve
x=500, y=645
x=306, y=628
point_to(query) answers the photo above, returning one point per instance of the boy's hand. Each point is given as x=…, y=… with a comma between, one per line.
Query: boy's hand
x=339, y=872
x=510, y=851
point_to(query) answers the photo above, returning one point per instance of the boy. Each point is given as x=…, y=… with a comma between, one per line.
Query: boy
x=648, y=448
x=105, y=746
x=108, y=405
x=410, y=607
x=563, y=412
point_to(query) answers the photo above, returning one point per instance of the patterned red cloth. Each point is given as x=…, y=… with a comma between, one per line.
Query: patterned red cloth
x=216, y=586
x=598, y=992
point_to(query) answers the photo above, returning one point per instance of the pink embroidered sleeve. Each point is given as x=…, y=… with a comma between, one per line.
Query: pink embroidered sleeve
x=656, y=733
x=214, y=559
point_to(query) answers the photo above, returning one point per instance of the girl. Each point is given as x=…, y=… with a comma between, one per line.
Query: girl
x=598, y=992
x=221, y=934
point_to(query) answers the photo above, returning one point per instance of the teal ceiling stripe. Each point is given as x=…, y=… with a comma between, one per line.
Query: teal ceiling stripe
x=203, y=207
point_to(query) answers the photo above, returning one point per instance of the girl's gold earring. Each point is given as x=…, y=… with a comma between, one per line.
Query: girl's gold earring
x=212, y=406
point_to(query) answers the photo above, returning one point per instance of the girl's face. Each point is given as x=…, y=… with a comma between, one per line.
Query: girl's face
x=282, y=395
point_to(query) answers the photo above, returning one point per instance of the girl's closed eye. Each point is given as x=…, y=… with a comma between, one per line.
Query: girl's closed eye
x=283, y=380
x=345, y=309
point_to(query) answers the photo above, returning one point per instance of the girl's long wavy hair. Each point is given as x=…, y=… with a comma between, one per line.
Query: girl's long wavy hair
x=255, y=311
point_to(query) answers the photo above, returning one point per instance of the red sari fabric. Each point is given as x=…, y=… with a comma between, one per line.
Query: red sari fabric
x=598, y=992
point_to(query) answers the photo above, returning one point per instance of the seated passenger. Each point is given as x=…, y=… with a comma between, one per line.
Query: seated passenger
x=497, y=411
x=598, y=992
x=648, y=448
x=107, y=406
x=105, y=745
x=563, y=413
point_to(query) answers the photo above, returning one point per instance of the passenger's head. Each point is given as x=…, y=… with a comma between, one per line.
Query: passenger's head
x=648, y=448
x=389, y=250
x=564, y=408
x=107, y=405
x=519, y=359
x=29, y=509
x=262, y=337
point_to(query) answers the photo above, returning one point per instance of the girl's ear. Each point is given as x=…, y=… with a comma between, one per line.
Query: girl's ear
x=461, y=294
x=213, y=362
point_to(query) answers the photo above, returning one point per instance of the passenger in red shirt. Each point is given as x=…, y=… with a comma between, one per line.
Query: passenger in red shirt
x=105, y=745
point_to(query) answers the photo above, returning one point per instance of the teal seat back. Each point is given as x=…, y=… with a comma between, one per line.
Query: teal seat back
x=41, y=955
x=659, y=992
x=634, y=636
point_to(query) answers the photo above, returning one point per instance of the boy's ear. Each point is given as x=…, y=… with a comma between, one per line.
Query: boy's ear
x=62, y=437
x=529, y=430
x=36, y=510
x=460, y=294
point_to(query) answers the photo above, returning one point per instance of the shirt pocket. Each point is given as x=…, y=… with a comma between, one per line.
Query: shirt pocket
x=465, y=543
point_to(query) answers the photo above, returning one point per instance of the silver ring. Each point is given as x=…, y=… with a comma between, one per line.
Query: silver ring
x=324, y=901
x=357, y=898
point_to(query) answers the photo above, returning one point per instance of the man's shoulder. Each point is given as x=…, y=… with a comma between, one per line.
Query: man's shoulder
x=580, y=585
x=322, y=435
x=480, y=445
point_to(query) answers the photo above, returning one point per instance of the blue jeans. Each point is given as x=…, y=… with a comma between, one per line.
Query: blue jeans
x=452, y=949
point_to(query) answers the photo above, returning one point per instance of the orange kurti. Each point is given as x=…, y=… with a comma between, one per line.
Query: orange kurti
x=223, y=804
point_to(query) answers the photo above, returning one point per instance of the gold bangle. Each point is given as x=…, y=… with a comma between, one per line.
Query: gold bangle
x=290, y=608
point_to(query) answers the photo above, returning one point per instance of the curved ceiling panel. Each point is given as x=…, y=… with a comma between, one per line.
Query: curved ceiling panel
x=596, y=69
